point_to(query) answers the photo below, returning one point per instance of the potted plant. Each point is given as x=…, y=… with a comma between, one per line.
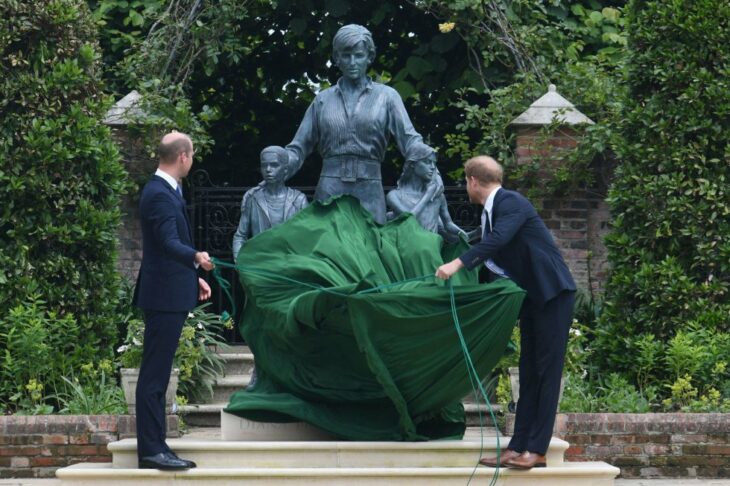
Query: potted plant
x=197, y=365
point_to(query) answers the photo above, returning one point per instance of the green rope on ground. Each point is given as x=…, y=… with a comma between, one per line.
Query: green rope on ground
x=476, y=383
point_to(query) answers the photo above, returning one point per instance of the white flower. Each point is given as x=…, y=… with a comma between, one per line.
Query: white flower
x=200, y=325
x=136, y=342
x=575, y=332
x=122, y=348
x=190, y=315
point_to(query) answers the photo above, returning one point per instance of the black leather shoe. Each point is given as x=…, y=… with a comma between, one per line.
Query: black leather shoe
x=190, y=463
x=162, y=461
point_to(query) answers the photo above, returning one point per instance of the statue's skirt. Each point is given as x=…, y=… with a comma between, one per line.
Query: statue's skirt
x=337, y=347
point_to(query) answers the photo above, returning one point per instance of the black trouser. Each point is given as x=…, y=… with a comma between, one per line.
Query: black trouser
x=161, y=335
x=543, y=340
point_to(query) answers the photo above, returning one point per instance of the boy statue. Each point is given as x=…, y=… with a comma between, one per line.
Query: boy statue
x=419, y=191
x=271, y=202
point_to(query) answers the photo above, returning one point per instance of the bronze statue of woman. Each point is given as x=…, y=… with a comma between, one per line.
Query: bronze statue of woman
x=351, y=124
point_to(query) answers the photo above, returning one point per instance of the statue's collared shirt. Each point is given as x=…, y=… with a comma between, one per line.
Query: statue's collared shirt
x=378, y=114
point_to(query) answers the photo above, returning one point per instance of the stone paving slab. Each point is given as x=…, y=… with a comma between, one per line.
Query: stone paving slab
x=618, y=482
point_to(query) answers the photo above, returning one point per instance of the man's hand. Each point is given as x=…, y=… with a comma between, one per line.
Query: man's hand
x=203, y=259
x=204, y=292
x=446, y=270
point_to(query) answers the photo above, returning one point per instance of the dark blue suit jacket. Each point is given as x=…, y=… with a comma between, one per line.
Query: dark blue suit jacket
x=522, y=245
x=167, y=278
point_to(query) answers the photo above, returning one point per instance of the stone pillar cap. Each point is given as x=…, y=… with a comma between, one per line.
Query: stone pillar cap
x=125, y=111
x=549, y=108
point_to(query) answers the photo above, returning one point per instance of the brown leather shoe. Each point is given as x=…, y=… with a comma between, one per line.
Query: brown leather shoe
x=504, y=456
x=526, y=460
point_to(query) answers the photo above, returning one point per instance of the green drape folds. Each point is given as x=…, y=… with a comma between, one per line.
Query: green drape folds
x=364, y=364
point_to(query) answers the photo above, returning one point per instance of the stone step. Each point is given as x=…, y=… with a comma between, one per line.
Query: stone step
x=220, y=454
x=226, y=386
x=202, y=414
x=569, y=474
x=234, y=348
x=237, y=363
x=209, y=414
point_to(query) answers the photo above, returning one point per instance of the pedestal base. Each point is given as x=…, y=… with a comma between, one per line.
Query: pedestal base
x=237, y=428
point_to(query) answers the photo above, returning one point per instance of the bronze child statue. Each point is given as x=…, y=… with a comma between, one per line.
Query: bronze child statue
x=271, y=202
x=420, y=192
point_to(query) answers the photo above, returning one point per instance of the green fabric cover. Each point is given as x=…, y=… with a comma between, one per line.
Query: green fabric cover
x=383, y=365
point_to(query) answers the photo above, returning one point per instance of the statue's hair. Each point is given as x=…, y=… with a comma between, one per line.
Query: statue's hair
x=415, y=152
x=168, y=151
x=349, y=36
x=484, y=168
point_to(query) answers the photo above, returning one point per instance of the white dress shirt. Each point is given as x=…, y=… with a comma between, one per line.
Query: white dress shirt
x=487, y=218
x=168, y=178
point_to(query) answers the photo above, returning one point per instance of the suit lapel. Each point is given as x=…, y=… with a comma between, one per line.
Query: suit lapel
x=181, y=200
x=497, y=199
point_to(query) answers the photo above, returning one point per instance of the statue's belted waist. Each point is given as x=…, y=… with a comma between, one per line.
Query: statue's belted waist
x=350, y=168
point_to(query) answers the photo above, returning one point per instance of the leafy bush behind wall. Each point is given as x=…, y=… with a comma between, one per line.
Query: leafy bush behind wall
x=670, y=245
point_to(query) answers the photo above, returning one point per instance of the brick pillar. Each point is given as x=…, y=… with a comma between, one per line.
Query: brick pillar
x=579, y=219
x=124, y=114
x=139, y=167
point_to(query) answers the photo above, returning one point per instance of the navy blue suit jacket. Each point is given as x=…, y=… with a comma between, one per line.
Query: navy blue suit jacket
x=167, y=278
x=522, y=245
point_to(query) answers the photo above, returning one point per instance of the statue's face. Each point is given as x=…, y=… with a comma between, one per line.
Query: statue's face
x=354, y=61
x=271, y=169
x=425, y=168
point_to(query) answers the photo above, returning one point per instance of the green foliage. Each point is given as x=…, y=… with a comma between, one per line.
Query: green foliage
x=39, y=347
x=667, y=313
x=196, y=357
x=614, y=394
x=516, y=49
x=163, y=44
x=60, y=181
x=96, y=397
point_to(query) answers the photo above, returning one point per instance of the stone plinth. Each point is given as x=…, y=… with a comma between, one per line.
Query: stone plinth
x=237, y=428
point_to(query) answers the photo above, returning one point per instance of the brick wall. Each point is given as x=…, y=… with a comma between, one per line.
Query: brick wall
x=35, y=446
x=650, y=445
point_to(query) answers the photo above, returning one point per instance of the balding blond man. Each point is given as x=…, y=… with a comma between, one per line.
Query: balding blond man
x=516, y=244
x=167, y=288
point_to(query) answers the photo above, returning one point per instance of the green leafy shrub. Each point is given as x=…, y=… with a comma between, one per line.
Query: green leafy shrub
x=60, y=181
x=666, y=313
x=39, y=348
x=93, y=394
